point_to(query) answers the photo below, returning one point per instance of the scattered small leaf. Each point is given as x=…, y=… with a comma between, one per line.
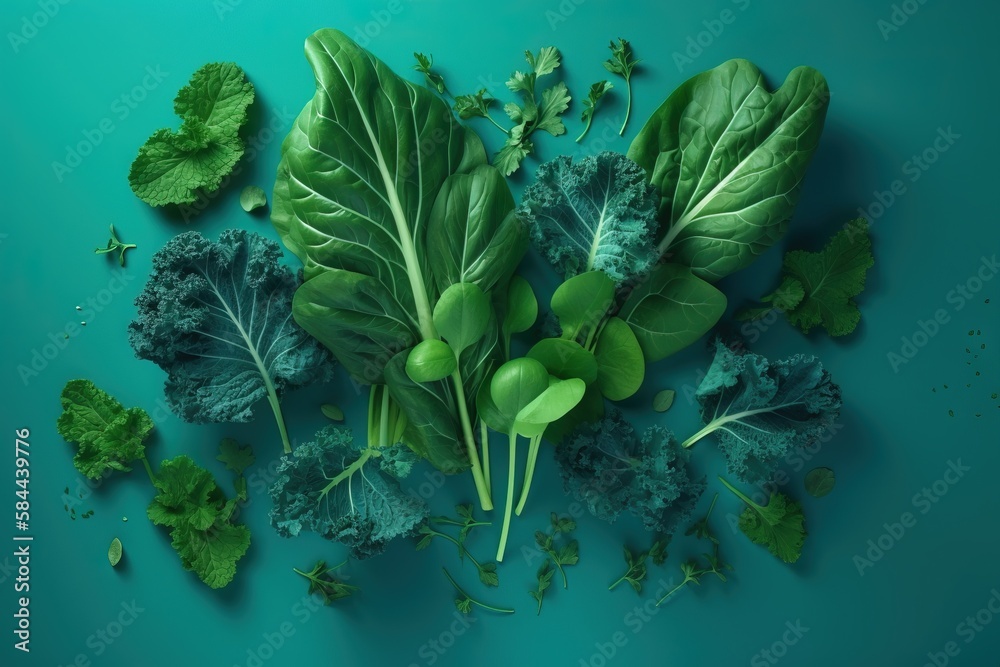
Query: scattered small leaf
x=252, y=198
x=819, y=482
x=333, y=412
x=115, y=552
x=663, y=400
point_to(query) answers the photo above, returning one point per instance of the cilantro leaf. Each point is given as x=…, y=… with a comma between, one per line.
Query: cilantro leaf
x=622, y=64
x=779, y=526
x=555, y=101
x=508, y=159
x=323, y=583
x=434, y=80
x=472, y=106
x=108, y=437
x=597, y=91
x=817, y=288
x=198, y=515
x=545, y=573
x=545, y=62
x=236, y=457
x=171, y=167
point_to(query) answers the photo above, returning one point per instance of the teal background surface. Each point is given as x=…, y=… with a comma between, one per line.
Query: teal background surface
x=901, y=76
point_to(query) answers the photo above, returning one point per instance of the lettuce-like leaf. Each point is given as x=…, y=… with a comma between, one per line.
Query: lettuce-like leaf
x=387, y=200
x=217, y=318
x=728, y=158
x=762, y=411
x=200, y=521
x=611, y=469
x=598, y=214
x=171, y=167
x=335, y=488
x=107, y=436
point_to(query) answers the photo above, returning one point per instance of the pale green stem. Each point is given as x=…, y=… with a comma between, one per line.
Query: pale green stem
x=485, y=445
x=512, y=469
x=529, y=473
x=470, y=443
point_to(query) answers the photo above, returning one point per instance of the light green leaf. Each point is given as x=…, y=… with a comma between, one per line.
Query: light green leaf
x=461, y=316
x=431, y=360
x=332, y=412
x=115, y=552
x=620, y=364
x=670, y=310
x=552, y=404
x=566, y=359
x=522, y=307
x=581, y=302
x=728, y=157
x=252, y=198
x=516, y=384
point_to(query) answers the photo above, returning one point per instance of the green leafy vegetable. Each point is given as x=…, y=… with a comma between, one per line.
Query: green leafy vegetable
x=598, y=214
x=817, y=288
x=217, y=318
x=487, y=573
x=337, y=489
x=561, y=552
x=465, y=601
x=636, y=572
x=115, y=552
x=610, y=469
x=114, y=245
x=763, y=411
x=545, y=573
x=401, y=210
x=819, y=482
x=321, y=582
x=238, y=459
x=700, y=528
x=199, y=517
x=434, y=80
x=172, y=167
x=532, y=114
x=670, y=310
x=622, y=64
x=779, y=526
x=728, y=158
x=597, y=91
x=252, y=198
x=663, y=400
x=107, y=436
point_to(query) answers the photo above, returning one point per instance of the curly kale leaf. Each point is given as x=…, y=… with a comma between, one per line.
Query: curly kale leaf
x=762, y=411
x=107, y=436
x=597, y=214
x=608, y=467
x=217, y=317
x=337, y=489
x=200, y=521
x=171, y=167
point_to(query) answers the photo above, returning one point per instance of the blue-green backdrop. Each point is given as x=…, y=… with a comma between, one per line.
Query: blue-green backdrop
x=913, y=100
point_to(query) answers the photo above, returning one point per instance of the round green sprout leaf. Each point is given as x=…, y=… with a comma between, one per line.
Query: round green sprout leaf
x=819, y=482
x=252, y=198
x=516, y=384
x=663, y=400
x=565, y=359
x=488, y=410
x=620, y=364
x=582, y=301
x=431, y=360
x=522, y=307
x=462, y=315
x=551, y=405
x=115, y=552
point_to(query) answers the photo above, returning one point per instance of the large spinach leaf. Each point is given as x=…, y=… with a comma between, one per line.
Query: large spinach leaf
x=728, y=157
x=388, y=201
